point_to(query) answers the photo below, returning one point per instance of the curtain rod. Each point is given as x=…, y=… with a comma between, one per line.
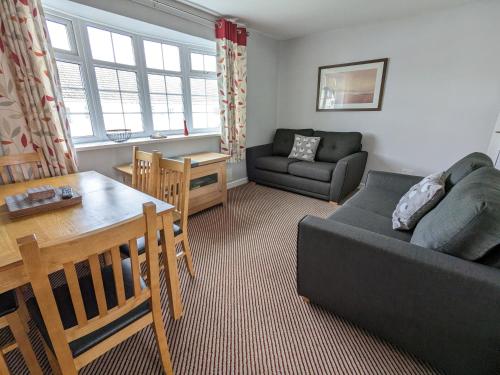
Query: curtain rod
x=157, y=4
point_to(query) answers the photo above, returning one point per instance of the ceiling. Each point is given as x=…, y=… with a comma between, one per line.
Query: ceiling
x=285, y=19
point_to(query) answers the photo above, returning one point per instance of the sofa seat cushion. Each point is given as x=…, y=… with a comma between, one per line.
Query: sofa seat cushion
x=466, y=223
x=284, y=138
x=371, y=221
x=63, y=300
x=337, y=145
x=274, y=163
x=376, y=200
x=319, y=171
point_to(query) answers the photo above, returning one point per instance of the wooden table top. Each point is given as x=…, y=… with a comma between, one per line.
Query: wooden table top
x=197, y=160
x=105, y=202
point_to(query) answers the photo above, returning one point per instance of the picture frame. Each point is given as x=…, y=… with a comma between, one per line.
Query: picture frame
x=355, y=86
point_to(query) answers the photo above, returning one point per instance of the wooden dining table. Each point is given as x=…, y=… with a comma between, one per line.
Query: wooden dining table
x=105, y=202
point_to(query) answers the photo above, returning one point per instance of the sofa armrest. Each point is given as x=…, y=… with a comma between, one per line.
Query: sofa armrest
x=396, y=182
x=441, y=308
x=253, y=153
x=347, y=175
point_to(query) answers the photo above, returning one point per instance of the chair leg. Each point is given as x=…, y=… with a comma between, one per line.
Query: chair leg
x=161, y=341
x=24, y=344
x=4, y=369
x=54, y=365
x=187, y=254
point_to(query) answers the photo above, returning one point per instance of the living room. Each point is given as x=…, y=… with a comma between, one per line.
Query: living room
x=284, y=187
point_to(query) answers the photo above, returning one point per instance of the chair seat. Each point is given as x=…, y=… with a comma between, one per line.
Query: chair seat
x=274, y=163
x=8, y=303
x=68, y=317
x=141, y=243
x=319, y=171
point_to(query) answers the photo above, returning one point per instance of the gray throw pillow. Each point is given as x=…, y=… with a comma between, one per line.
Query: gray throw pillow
x=304, y=148
x=419, y=200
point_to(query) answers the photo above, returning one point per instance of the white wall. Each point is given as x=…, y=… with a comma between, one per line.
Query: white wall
x=442, y=93
x=261, y=95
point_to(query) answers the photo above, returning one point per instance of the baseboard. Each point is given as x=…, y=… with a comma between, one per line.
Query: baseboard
x=236, y=183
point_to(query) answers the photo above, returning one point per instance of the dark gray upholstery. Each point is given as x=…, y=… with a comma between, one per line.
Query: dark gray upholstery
x=283, y=140
x=323, y=180
x=465, y=166
x=337, y=145
x=369, y=220
x=441, y=308
x=8, y=303
x=274, y=163
x=316, y=171
x=466, y=223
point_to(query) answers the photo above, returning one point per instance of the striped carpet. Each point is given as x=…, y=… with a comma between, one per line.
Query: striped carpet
x=242, y=313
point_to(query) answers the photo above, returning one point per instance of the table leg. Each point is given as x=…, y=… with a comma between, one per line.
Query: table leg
x=170, y=269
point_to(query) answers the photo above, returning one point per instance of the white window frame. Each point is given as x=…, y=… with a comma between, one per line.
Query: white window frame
x=81, y=54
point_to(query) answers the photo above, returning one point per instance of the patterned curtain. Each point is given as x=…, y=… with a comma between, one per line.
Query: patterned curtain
x=32, y=113
x=232, y=84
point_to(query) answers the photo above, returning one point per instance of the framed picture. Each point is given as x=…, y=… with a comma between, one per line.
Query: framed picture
x=357, y=86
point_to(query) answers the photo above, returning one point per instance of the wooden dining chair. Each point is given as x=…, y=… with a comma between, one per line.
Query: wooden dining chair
x=83, y=319
x=145, y=170
x=23, y=167
x=168, y=180
x=9, y=316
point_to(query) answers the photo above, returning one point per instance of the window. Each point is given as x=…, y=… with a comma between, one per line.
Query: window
x=114, y=79
x=203, y=63
x=59, y=35
x=205, y=103
x=75, y=99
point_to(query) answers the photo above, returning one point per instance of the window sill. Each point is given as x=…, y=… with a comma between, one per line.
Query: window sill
x=91, y=146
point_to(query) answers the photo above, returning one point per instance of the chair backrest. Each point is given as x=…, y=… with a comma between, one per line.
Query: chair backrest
x=174, y=184
x=145, y=170
x=22, y=167
x=41, y=261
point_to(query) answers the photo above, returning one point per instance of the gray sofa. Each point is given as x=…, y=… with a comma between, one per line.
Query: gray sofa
x=428, y=300
x=336, y=172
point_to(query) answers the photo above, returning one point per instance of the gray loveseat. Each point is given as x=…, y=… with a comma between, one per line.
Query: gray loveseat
x=336, y=171
x=428, y=300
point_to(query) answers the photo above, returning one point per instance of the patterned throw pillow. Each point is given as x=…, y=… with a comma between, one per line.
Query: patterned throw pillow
x=304, y=148
x=421, y=198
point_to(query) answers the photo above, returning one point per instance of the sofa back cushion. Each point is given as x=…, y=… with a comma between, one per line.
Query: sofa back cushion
x=466, y=223
x=464, y=166
x=337, y=145
x=283, y=140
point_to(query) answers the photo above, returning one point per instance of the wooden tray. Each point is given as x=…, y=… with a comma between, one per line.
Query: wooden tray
x=20, y=205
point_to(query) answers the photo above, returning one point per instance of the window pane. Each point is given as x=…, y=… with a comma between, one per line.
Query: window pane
x=100, y=44
x=131, y=102
x=209, y=63
x=175, y=103
x=213, y=120
x=176, y=121
x=161, y=121
x=211, y=87
x=133, y=122
x=111, y=102
x=212, y=104
x=128, y=81
x=113, y=121
x=171, y=59
x=58, y=33
x=159, y=103
x=197, y=86
x=75, y=99
x=106, y=79
x=196, y=61
x=199, y=103
x=156, y=84
x=124, y=52
x=80, y=125
x=199, y=120
x=174, y=85
x=154, y=57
